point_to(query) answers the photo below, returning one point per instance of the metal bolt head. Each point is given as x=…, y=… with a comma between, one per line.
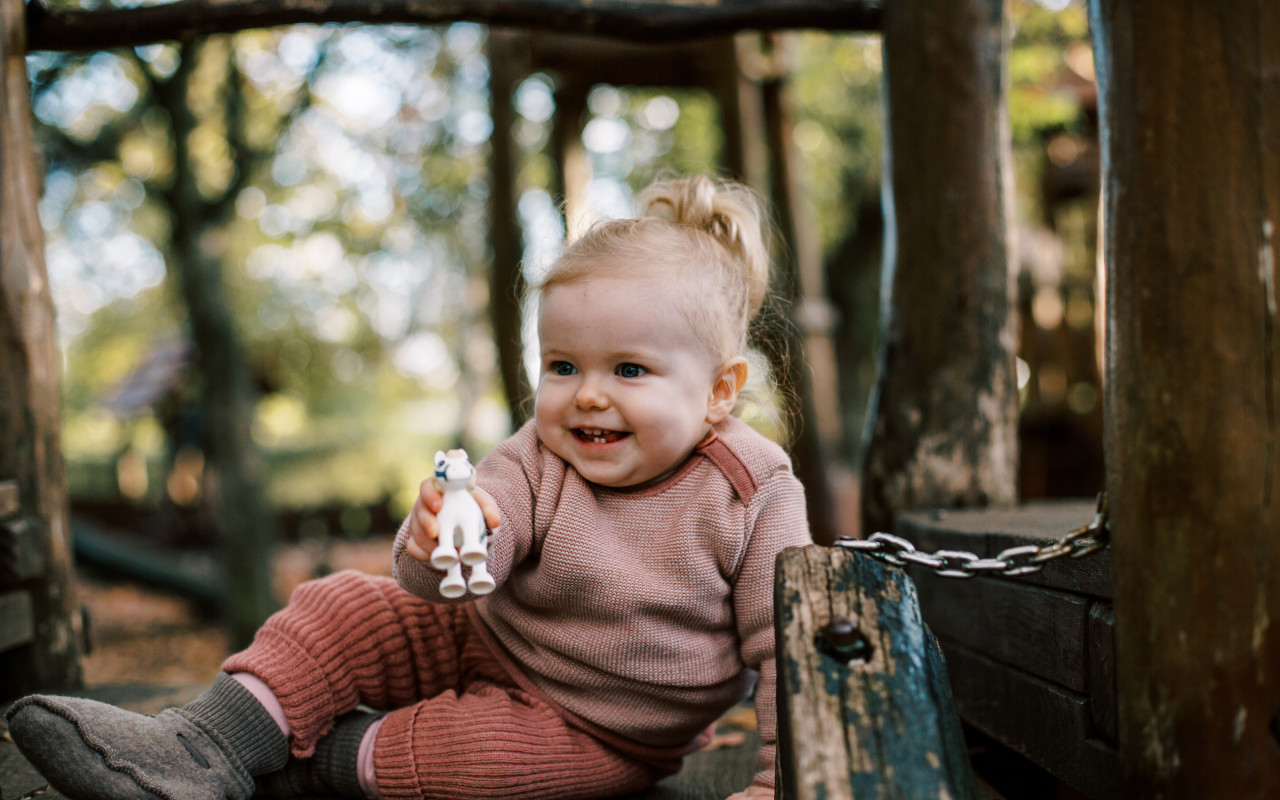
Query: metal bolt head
x=844, y=641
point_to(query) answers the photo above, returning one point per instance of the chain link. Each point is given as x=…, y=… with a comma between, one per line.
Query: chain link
x=1020, y=560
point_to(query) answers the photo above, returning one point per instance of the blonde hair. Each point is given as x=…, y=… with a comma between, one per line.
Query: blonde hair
x=712, y=234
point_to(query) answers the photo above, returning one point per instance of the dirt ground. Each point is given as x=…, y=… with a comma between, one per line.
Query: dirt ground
x=138, y=634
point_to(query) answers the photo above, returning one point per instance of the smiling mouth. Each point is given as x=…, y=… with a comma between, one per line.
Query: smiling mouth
x=599, y=435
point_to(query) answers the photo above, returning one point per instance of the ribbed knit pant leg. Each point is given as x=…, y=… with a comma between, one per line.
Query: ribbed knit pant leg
x=348, y=639
x=495, y=740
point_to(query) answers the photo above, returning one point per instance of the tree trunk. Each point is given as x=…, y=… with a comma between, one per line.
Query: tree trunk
x=235, y=472
x=944, y=430
x=37, y=588
x=1190, y=108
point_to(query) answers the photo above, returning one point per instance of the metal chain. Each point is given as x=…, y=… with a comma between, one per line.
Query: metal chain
x=1021, y=560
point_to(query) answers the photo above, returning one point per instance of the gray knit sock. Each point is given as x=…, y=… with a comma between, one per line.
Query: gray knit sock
x=248, y=729
x=93, y=751
x=332, y=771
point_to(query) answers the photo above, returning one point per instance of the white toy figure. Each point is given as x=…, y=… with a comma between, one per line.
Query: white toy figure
x=462, y=530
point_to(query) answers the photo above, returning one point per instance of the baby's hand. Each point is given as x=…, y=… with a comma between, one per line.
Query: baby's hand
x=753, y=793
x=424, y=526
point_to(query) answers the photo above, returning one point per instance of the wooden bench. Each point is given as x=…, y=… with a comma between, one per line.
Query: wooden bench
x=1031, y=658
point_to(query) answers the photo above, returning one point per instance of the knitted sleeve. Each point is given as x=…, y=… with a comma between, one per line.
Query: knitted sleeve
x=509, y=473
x=778, y=520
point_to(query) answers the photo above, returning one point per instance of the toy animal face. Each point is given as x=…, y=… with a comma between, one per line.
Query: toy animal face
x=454, y=468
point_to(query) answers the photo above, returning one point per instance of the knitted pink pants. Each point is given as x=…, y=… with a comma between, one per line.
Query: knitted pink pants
x=459, y=725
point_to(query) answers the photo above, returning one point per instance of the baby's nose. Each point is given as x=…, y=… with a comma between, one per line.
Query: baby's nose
x=591, y=395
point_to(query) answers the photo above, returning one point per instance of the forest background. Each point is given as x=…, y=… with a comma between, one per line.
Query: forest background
x=338, y=176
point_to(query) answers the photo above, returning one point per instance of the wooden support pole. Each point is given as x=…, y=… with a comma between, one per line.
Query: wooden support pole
x=864, y=706
x=33, y=511
x=800, y=351
x=507, y=52
x=945, y=415
x=1190, y=120
x=572, y=161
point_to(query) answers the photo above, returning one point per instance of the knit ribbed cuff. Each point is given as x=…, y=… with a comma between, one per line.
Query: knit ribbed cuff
x=338, y=754
x=232, y=712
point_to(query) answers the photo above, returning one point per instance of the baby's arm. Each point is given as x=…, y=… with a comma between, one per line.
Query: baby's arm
x=778, y=521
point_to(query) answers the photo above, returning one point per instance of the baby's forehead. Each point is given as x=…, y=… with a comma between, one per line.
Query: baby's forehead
x=617, y=313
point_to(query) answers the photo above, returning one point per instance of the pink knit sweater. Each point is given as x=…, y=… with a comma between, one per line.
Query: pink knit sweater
x=646, y=612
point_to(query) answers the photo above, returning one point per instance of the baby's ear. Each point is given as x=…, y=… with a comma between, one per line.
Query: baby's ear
x=724, y=392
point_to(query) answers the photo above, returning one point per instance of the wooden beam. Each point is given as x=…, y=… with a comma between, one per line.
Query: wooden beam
x=640, y=20
x=1189, y=96
x=945, y=416
x=30, y=424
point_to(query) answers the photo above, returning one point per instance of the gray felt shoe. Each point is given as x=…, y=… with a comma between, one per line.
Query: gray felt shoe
x=93, y=751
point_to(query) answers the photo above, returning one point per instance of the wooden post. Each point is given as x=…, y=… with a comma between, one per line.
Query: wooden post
x=801, y=356
x=945, y=418
x=39, y=617
x=864, y=706
x=1190, y=118
x=574, y=165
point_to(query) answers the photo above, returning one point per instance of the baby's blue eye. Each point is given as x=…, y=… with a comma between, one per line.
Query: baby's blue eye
x=631, y=370
x=563, y=368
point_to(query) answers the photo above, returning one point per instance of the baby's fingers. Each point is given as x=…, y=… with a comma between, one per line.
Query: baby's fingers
x=416, y=550
x=429, y=496
x=488, y=507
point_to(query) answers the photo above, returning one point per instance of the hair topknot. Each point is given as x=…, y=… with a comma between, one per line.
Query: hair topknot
x=731, y=213
x=712, y=233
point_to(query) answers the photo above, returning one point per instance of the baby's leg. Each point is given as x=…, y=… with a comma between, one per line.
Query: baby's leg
x=496, y=741
x=207, y=750
x=346, y=639
x=349, y=639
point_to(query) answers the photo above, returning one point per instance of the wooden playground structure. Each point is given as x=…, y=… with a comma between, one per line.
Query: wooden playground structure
x=1151, y=669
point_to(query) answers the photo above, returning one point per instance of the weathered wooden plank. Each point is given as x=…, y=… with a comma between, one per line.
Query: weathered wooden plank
x=17, y=620
x=625, y=19
x=1189, y=101
x=10, y=501
x=1037, y=630
x=944, y=424
x=860, y=715
x=1044, y=722
x=21, y=550
x=987, y=531
x=1102, y=670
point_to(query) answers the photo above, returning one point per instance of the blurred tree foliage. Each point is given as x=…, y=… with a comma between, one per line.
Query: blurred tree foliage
x=353, y=162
